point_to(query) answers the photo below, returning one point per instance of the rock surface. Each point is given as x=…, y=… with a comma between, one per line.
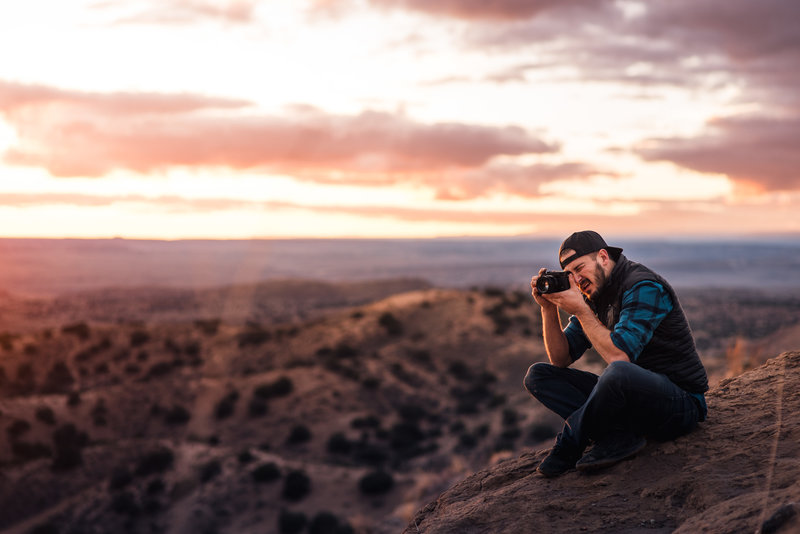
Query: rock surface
x=738, y=472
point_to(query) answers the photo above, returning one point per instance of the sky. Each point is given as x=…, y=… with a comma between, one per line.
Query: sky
x=230, y=119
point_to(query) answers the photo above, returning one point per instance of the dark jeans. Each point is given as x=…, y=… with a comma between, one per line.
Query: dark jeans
x=625, y=398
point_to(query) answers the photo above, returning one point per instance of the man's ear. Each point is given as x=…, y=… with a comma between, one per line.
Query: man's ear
x=603, y=255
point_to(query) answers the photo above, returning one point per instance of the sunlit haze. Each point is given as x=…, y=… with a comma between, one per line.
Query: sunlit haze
x=172, y=119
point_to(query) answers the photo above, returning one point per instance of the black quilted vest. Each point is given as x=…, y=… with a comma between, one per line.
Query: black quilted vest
x=671, y=351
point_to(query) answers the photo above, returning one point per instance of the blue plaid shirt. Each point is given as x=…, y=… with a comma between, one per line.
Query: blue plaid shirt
x=644, y=306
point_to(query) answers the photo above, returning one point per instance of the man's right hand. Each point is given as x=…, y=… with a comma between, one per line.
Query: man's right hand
x=540, y=299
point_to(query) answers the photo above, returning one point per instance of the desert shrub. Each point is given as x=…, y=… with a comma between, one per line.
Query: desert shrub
x=79, y=330
x=132, y=369
x=339, y=444
x=3, y=377
x=371, y=383
x=177, y=415
x=405, y=436
x=467, y=441
x=17, y=428
x=497, y=314
x=493, y=292
x=358, y=314
x=376, y=483
x=99, y=413
x=58, y=380
x=101, y=368
x=27, y=451
x=299, y=434
x=412, y=412
x=30, y=349
x=159, y=369
x=208, y=327
x=341, y=351
x=156, y=461
x=26, y=379
x=226, y=405
x=139, y=338
x=291, y=522
x=421, y=356
x=366, y=453
x=210, y=470
x=253, y=335
x=45, y=528
x=245, y=457
x=257, y=407
x=457, y=427
x=459, y=370
x=281, y=387
x=327, y=523
x=143, y=356
x=266, y=472
x=155, y=486
x=45, y=415
x=125, y=503
x=73, y=399
x=120, y=477
x=391, y=324
x=510, y=417
x=296, y=485
x=368, y=421
x=68, y=442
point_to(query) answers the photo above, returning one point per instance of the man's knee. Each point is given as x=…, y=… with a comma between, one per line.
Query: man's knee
x=618, y=373
x=536, y=373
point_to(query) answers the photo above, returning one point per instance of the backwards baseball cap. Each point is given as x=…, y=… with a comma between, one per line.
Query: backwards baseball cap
x=583, y=243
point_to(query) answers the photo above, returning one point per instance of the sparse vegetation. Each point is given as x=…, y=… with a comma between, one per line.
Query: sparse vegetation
x=376, y=483
x=299, y=434
x=291, y=522
x=281, y=387
x=45, y=415
x=296, y=486
x=69, y=443
x=58, y=380
x=226, y=405
x=79, y=330
x=267, y=472
x=156, y=461
x=391, y=324
x=139, y=338
x=177, y=415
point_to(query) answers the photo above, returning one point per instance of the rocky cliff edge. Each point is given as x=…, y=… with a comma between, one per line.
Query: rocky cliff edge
x=738, y=472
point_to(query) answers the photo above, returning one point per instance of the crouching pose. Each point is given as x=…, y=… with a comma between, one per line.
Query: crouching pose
x=654, y=383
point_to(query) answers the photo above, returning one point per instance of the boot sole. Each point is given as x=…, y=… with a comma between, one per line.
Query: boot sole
x=602, y=463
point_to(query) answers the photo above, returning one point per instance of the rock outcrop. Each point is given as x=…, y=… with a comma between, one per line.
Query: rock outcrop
x=738, y=472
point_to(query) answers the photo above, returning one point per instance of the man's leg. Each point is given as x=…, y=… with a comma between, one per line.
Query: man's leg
x=627, y=403
x=563, y=391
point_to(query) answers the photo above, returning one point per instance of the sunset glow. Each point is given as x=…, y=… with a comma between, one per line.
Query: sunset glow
x=398, y=118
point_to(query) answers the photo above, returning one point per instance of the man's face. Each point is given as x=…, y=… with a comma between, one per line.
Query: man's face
x=588, y=273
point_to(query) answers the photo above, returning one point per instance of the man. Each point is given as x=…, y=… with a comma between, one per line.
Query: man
x=654, y=382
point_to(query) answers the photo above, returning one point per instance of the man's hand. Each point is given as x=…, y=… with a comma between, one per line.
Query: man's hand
x=571, y=300
x=541, y=300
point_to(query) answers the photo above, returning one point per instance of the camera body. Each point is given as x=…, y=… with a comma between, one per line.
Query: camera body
x=552, y=282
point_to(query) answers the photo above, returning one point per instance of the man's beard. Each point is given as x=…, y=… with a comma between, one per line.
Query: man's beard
x=599, y=283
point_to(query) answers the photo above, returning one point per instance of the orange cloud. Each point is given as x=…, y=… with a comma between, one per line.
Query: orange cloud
x=89, y=134
x=183, y=11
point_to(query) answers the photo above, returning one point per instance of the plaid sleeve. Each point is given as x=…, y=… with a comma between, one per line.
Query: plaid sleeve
x=644, y=306
x=576, y=339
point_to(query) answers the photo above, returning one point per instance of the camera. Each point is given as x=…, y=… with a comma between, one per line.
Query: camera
x=553, y=282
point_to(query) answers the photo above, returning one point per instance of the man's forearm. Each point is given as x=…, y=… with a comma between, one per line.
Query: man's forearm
x=600, y=337
x=555, y=342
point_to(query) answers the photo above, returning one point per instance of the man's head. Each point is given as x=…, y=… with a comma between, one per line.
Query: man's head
x=590, y=260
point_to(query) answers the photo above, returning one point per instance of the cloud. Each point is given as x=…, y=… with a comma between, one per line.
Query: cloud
x=465, y=9
x=181, y=12
x=511, y=179
x=758, y=150
x=89, y=134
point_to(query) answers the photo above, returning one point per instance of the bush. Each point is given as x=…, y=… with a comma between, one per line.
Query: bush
x=79, y=330
x=120, y=477
x=58, y=380
x=245, y=457
x=26, y=379
x=68, y=442
x=299, y=434
x=156, y=461
x=296, y=486
x=291, y=522
x=226, y=406
x=258, y=407
x=125, y=504
x=139, y=338
x=30, y=451
x=267, y=472
x=73, y=399
x=376, y=483
x=324, y=523
x=254, y=335
x=339, y=444
x=44, y=528
x=17, y=428
x=281, y=387
x=541, y=432
x=177, y=415
x=45, y=415
x=369, y=421
x=390, y=323
x=210, y=470
x=208, y=327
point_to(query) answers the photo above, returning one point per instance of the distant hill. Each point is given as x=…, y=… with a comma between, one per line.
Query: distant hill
x=47, y=267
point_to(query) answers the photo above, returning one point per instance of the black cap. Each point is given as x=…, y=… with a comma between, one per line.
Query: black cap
x=583, y=243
